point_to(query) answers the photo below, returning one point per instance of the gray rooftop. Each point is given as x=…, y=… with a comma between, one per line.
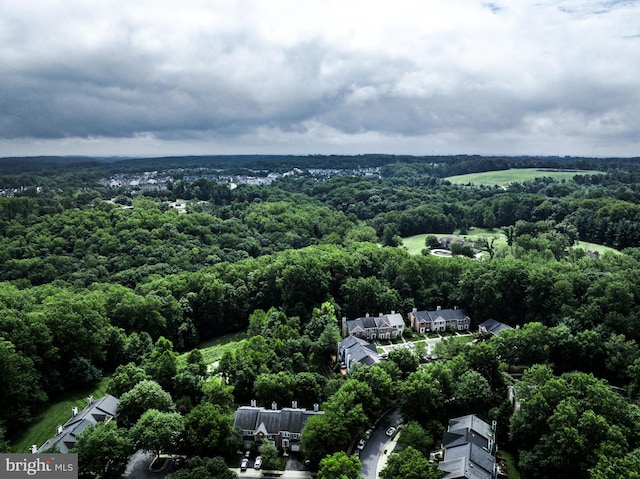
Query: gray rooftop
x=100, y=410
x=462, y=468
x=493, y=326
x=272, y=421
x=446, y=314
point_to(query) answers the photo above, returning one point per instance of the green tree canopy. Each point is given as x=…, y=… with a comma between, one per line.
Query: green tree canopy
x=339, y=466
x=143, y=396
x=103, y=451
x=158, y=431
x=410, y=464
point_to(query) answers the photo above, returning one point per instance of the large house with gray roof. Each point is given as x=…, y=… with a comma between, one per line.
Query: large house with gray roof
x=383, y=326
x=492, y=327
x=439, y=320
x=282, y=427
x=353, y=350
x=100, y=410
x=470, y=450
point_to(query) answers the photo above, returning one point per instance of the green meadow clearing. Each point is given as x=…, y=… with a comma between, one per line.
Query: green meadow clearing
x=44, y=427
x=415, y=244
x=213, y=350
x=516, y=175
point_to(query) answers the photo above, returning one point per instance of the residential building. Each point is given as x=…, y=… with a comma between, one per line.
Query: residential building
x=100, y=410
x=492, y=327
x=383, y=326
x=282, y=427
x=470, y=450
x=353, y=350
x=439, y=320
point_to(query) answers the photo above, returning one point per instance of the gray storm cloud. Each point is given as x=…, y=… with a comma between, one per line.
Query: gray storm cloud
x=364, y=75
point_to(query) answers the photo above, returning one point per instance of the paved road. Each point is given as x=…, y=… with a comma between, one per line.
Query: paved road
x=138, y=467
x=295, y=470
x=377, y=444
x=251, y=473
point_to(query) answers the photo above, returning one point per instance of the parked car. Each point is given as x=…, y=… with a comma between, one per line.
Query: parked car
x=244, y=464
x=367, y=433
x=361, y=444
x=391, y=431
x=257, y=464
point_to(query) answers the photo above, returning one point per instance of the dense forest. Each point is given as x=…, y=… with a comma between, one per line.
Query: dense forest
x=99, y=279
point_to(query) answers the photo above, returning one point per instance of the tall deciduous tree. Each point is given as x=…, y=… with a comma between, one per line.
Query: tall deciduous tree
x=339, y=466
x=208, y=428
x=143, y=396
x=204, y=468
x=103, y=451
x=270, y=459
x=410, y=464
x=21, y=393
x=158, y=431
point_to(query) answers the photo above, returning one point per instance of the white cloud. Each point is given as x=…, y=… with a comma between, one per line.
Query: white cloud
x=470, y=76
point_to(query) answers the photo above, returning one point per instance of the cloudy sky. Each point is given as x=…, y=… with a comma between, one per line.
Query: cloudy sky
x=142, y=77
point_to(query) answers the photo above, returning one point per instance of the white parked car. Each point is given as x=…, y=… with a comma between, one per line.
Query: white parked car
x=361, y=444
x=257, y=464
x=391, y=431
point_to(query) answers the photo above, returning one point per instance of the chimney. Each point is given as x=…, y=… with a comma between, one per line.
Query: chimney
x=415, y=310
x=393, y=312
x=438, y=308
x=74, y=410
x=274, y=406
x=34, y=449
x=455, y=308
x=316, y=407
x=253, y=403
x=367, y=315
x=58, y=429
x=90, y=400
x=294, y=404
x=380, y=315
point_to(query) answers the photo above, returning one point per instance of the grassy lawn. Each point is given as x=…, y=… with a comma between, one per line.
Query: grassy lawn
x=512, y=470
x=44, y=427
x=415, y=244
x=459, y=339
x=213, y=349
x=519, y=175
x=598, y=247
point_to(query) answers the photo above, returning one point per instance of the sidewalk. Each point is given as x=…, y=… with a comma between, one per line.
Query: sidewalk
x=388, y=449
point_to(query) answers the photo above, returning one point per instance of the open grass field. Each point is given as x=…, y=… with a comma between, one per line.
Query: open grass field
x=415, y=244
x=44, y=427
x=213, y=350
x=516, y=175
